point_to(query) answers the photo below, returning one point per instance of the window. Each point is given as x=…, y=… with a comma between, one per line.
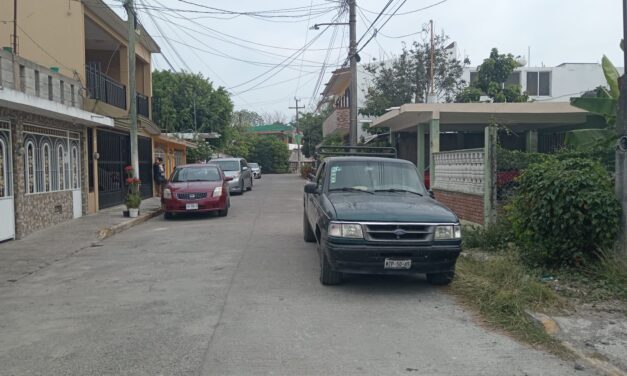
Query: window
x=205, y=173
x=37, y=84
x=539, y=83
x=61, y=168
x=46, y=165
x=545, y=83
x=473, y=77
x=62, y=91
x=4, y=188
x=22, y=78
x=72, y=95
x=76, y=178
x=513, y=79
x=50, y=90
x=227, y=165
x=30, y=167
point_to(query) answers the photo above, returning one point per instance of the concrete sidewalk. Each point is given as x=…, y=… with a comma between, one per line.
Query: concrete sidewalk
x=20, y=258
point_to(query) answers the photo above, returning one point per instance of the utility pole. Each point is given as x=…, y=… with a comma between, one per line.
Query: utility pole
x=297, y=129
x=431, y=95
x=15, y=27
x=621, y=150
x=128, y=5
x=352, y=21
x=195, y=124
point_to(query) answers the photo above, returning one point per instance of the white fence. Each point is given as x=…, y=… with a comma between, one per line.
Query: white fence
x=459, y=171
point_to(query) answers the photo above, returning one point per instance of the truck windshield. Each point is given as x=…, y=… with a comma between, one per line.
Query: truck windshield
x=375, y=176
x=253, y=165
x=186, y=174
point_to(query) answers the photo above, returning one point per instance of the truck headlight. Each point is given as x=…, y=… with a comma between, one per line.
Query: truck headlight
x=167, y=194
x=217, y=192
x=346, y=230
x=448, y=232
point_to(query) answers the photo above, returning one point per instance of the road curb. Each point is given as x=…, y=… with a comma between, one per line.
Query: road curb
x=550, y=327
x=107, y=232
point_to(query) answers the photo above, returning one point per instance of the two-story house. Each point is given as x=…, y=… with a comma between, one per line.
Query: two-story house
x=74, y=54
x=552, y=84
x=87, y=40
x=43, y=146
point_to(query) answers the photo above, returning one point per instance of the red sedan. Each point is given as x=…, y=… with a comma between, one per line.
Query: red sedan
x=196, y=188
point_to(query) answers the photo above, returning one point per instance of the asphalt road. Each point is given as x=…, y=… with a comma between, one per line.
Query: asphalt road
x=240, y=296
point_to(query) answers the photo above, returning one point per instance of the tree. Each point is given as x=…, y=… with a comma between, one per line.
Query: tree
x=311, y=126
x=202, y=152
x=274, y=117
x=270, y=153
x=246, y=118
x=491, y=77
x=181, y=97
x=407, y=78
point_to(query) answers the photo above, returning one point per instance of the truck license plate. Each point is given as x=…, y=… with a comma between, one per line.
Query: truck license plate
x=397, y=264
x=191, y=206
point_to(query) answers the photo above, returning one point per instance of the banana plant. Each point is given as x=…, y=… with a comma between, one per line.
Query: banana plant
x=605, y=104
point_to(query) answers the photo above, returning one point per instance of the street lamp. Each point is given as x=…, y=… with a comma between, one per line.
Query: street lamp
x=317, y=26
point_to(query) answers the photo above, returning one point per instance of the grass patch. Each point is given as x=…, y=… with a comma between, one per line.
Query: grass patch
x=600, y=280
x=501, y=288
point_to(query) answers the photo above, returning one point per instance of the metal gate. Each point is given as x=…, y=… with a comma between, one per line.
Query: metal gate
x=114, y=155
x=7, y=214
x=144, y=149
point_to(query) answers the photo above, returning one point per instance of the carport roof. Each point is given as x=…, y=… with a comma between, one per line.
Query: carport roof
x=473, y=116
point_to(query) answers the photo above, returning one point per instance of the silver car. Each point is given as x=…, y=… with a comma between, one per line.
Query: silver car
x=255, y=169
x=238, y=169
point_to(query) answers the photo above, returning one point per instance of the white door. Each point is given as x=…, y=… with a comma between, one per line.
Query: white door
x=77, y=203
x=7, y=214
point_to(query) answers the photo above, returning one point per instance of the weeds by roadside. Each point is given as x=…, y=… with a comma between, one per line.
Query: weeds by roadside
x=491, y=238
x=501, y=288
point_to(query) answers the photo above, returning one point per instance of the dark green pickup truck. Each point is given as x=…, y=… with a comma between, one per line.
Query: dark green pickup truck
x=372, y=215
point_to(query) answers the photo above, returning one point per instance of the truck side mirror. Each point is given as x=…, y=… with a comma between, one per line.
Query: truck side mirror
x=311, y=188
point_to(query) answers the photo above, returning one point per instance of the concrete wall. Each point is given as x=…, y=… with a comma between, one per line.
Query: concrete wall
x=27, y=82
x=55, y=25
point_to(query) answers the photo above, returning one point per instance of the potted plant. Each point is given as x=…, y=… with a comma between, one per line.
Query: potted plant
x=133, y=197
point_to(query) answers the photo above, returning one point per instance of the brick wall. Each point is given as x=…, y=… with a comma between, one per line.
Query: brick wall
x=339, y=119
x=467, y=207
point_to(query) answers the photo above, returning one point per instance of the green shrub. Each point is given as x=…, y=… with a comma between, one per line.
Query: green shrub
x=515, y=160
x=491, y=238
x=563, y=211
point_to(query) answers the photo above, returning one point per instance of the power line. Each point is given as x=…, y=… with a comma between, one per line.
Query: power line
x=411, y=11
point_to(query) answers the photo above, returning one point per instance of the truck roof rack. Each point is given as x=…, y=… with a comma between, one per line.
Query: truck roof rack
x=360, y=151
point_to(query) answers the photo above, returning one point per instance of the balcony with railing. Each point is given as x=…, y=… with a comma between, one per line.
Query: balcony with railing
x=143, y=105
x=104, y=88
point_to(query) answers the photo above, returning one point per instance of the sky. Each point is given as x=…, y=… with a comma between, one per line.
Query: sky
x=250, y=61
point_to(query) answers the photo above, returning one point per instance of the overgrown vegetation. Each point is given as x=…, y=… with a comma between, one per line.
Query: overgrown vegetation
x=501, y=288
x=493, y=238
x=563, y=211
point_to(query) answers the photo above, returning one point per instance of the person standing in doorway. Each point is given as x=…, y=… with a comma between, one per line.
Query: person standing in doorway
x=158, y=175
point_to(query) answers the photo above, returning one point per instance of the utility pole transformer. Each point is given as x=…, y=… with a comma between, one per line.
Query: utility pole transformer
x=353, y=64
x=297, y=129
x=132, y=84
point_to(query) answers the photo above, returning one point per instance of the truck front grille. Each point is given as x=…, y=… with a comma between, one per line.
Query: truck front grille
x=398, y=232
